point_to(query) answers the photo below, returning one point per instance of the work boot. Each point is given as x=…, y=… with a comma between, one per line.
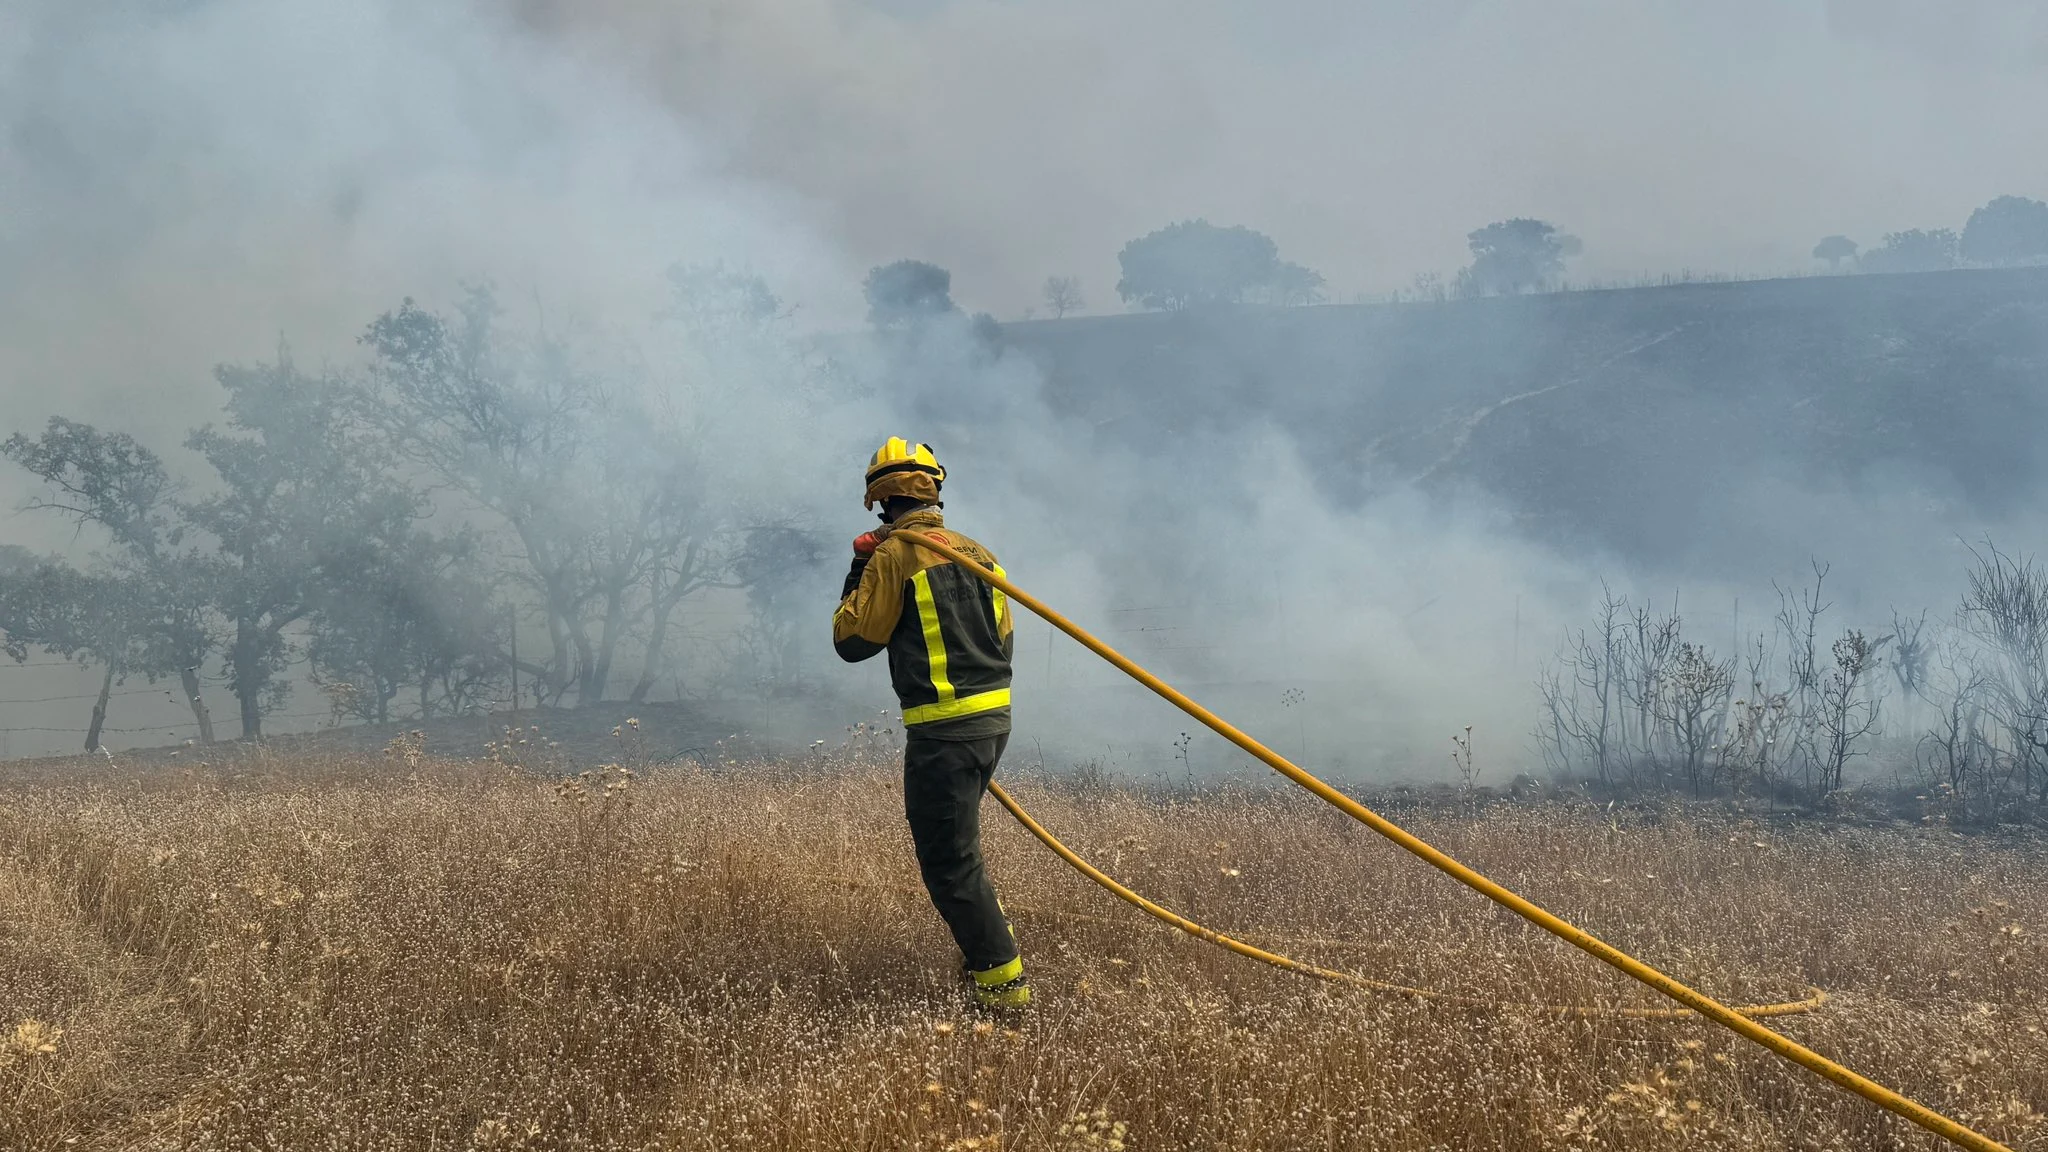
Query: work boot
x=1002, y=988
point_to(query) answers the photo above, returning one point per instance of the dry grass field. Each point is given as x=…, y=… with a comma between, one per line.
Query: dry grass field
x=417, y=953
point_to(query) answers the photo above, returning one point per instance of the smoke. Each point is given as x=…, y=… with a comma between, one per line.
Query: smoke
x=187, y=183
x=190, y=183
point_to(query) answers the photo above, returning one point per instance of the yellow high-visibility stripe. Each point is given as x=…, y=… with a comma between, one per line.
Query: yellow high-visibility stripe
x=954, y=709
x=947, y=706
x=1002, y=974
x=1002, y=602
x=934, y=642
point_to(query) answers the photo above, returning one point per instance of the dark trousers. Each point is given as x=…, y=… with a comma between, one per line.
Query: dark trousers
x=942, y=785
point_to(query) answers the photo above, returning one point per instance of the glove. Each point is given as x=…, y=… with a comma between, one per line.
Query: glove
x=864, y=545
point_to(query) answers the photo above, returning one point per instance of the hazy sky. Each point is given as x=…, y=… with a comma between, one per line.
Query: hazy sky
x=1010, y=140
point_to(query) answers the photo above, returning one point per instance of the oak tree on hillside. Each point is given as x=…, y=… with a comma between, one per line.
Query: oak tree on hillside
x=1914, y=250
x=1834, y=250
x=1195, y=264
x=52, y=607
x=406, y=610
x=144, y=608
x=299, y=483
x=907, y=292
x=1514, y=256
x=1293, y=286
x=779, y=565
x=2008, y=230
x=597, y=478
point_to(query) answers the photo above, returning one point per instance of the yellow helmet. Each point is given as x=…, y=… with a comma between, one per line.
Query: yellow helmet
x=900, y=468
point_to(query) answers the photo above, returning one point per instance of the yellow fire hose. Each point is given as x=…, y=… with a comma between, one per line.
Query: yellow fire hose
x=1814, y=999
x=1571, y=934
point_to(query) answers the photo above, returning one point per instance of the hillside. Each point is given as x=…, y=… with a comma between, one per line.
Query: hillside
x=1655, y=422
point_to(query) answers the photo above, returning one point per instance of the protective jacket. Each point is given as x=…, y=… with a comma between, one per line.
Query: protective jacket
x=948, y=635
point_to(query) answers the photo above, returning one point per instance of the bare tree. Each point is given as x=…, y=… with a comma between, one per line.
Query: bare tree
x=1062, y=294
x=1579, y=697
x=1750, y=754
x=1693, y=707
x=1560, y=734
x=1952, y=755
x=1911, y=653
x=1632, y=700
x=1623, y=697
x=1798, y=622
x=1848, y=705
x=1649, y=644
x=2006, y=609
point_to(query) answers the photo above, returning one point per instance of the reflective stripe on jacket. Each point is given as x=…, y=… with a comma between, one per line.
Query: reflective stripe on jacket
x=948, y=635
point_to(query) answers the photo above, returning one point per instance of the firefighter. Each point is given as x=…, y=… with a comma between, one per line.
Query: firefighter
x=949, y=642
